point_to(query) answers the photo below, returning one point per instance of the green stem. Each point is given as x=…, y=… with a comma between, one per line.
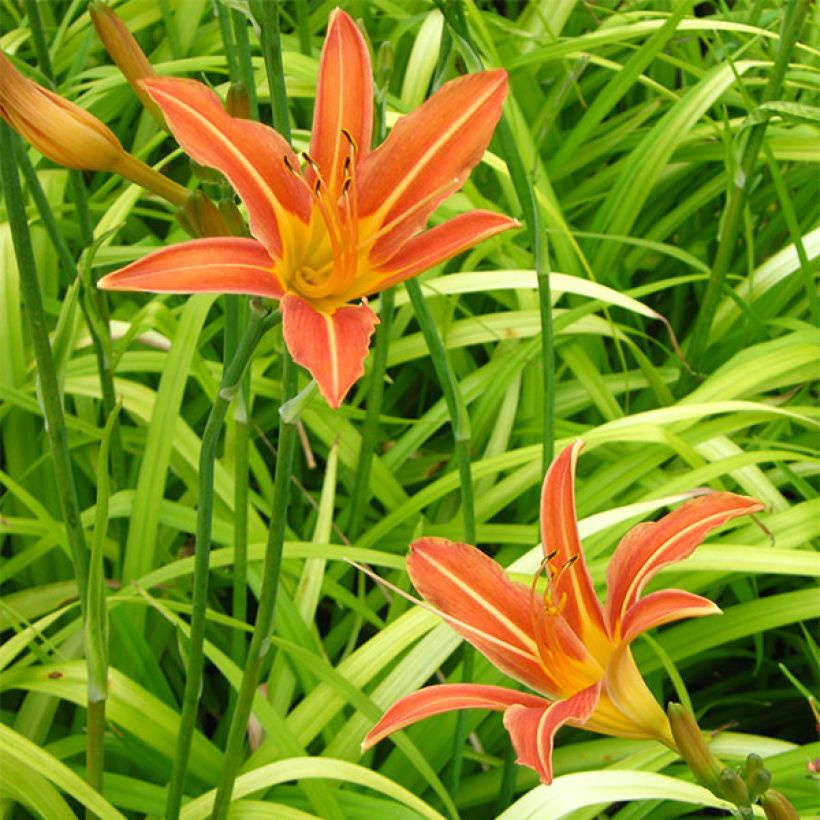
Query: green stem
x=459, y=418
x=243, y=50
x=525, y=193
x=97, y=326
x=38, y=38
x=542, y=271
x=793, y=20
x=239, y=602
x=507, y=788
x=81, y=203
x=50, y=394
x=361, y=481
x=258, y=324
x=223, y=14
x=303, y=26
x=460, y=421
x=96, y=626
x=266, y=13
x=263, y=631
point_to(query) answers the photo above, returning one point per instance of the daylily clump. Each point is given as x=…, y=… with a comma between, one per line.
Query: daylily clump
x=343, y=222
x=562, y=643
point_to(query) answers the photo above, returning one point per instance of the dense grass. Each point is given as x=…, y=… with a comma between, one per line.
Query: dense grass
x=634, y=123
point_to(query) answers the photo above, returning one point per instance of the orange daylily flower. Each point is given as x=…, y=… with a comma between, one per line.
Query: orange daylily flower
x=345, y=225
x=564, y=645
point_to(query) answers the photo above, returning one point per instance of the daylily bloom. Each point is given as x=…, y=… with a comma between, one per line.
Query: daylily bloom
x=345, y=225
x=563, y=644
x=70, y=136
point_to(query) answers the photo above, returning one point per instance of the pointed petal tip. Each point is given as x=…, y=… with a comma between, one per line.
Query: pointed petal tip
x=332, y=347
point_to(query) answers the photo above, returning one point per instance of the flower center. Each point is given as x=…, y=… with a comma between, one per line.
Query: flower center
x=335, y=218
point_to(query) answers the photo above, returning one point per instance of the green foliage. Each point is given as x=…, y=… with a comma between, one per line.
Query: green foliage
x=632, y=121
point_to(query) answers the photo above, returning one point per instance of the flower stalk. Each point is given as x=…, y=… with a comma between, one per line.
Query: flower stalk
x=740, y=788
x=266, y=612
x=263, y=630
x=259, y=323
x=50, y=393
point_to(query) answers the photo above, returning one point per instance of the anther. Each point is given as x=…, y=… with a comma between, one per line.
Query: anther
x=310, y=161
x=346, y=166
x=349, y=137
x=317, y=187
x=288, y=164
x=346, y=185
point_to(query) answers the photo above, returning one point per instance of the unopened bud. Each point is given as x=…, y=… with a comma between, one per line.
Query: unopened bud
x=692, y=746
x=238, y=102
x=57, y=128
x=233, y=217
x=758, y=782
x=70, y=136
x=200, y=217
x=733, y=788
x=125, y=52
x=385, y=61
x=777, y=807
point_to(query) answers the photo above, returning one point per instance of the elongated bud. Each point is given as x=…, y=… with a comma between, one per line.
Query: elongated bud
x=733, y=788
x=385, y=61
x=200, y=217
x=758, y=782
x=238, y=102
x=693, y=748
x=777, y=807
x=70, y=136
x=57, y=128
x=125, y=52
x=233, y=217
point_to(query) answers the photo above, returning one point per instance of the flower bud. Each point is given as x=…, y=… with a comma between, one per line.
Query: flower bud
x=777, y=807
x=733, y=788
x=233, y=217
x=693, y=748
x=57, y=128
x=758, y=781
x=200, y=217
x=238, y=102
x=385, y=62
x=125, y=52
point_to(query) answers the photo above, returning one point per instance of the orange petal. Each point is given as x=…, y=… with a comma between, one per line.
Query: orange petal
x=221, y=264
x=662, y=608
x=440, y=243
x=533, y=728
x=559, y=535
x=344, y=100
x=484, y=606
x=648, y=547
x=250, y=154
x=332, y=347
x=427, y=156
x=433, y=700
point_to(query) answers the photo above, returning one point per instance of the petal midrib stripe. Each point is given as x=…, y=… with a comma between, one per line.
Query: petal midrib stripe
x=419, y=166
x=649, y=563
x=230, y=148
x=334, y=353
x=525, y=638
